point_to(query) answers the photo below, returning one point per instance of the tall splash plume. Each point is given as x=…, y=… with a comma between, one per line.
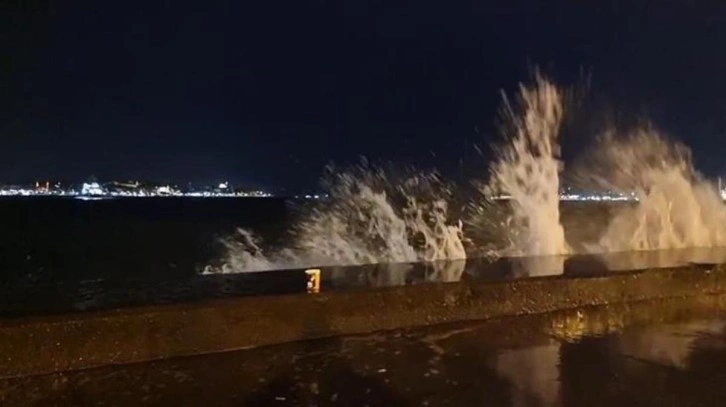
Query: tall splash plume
x=676, y=208
x=369, y=218
x=527, y=173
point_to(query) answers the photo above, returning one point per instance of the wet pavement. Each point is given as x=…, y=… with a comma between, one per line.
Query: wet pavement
x=73, y=296
x=670, y=352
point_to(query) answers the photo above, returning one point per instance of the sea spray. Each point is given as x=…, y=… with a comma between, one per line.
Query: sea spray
x=371, y=216
x=526, y=173
x=676, y=207
x=243, y=252
x=378, y=216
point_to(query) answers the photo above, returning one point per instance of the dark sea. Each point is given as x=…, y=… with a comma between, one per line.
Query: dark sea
x=57, y=239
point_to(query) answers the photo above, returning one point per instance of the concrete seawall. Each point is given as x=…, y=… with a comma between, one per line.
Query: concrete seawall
x=76, y=341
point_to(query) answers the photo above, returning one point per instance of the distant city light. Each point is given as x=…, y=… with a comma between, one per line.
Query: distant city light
x=165, y=190
x=92, y=189
x=95, y=190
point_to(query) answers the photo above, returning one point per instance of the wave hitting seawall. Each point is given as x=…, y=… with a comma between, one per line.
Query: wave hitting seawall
x=374, y=215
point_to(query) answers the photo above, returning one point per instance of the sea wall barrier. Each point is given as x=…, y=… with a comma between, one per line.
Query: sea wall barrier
x=39, y=345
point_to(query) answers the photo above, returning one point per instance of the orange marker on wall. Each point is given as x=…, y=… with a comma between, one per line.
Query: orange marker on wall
x=313, y=280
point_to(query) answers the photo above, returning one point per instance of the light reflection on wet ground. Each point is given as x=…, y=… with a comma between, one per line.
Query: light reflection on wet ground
x=658, y=353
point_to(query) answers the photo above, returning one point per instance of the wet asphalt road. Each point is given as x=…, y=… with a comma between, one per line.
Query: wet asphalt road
x=651, y=354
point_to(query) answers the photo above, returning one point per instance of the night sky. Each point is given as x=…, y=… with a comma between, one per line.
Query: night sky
x=267, y=93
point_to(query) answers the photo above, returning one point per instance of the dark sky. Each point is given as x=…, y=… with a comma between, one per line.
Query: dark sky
x=266, y=93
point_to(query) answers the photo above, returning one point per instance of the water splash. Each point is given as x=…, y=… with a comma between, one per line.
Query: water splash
x=370, y=217
x=376, y=216
x=676, y=207
x=527, y=173
x=373, y=217
x=243, y=252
